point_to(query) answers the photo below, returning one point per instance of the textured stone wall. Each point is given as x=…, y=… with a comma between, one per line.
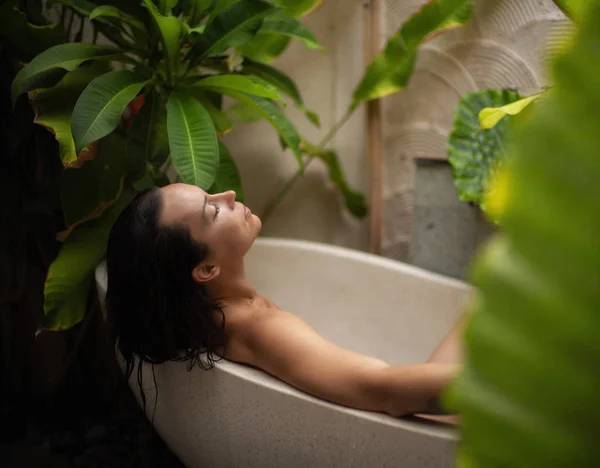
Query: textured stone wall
x=505, y=45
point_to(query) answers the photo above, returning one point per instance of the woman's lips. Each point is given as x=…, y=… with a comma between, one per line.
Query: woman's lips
x=247, y=212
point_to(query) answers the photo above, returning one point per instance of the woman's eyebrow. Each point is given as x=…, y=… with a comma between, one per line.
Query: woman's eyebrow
x=204, y=207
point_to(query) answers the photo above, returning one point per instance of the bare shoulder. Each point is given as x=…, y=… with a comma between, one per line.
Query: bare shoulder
x=254, y=325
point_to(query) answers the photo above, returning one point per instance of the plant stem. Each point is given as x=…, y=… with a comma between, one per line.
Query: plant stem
x=300, y=172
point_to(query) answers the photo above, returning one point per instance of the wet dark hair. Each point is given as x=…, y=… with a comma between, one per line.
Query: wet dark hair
x=156, y=312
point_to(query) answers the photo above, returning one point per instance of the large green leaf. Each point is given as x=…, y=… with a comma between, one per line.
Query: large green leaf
x=169, y=29
x=148, y=141
x=298, y=8
x=392, y=68
x=50, y=66
x=273, y=113
x=281, y=81
x=99, y=108
x=218, y=7
x=54, y=107
x=528, y=393
x=70, y=275
x=195, y=10
x=477, y=154
x=228, y=177
x=293, y=28
x=490, y=116
x=266, y=47
x=354, y=200
x=574, y=9
x=193, y=141
x=86, y=192
x=240, y=83
x=233, y=26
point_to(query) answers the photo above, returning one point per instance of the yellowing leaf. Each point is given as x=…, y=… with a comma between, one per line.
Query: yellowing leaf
x=490, y=116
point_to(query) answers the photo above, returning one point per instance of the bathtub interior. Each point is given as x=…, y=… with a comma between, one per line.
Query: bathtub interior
x=368, y=304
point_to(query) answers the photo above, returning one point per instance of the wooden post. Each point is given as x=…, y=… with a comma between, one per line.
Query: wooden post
x=374, y=147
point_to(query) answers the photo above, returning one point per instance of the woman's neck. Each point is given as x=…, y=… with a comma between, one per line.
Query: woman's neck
x=231, y=286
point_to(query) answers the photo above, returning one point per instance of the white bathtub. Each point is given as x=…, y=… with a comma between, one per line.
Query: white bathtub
x=237, y=416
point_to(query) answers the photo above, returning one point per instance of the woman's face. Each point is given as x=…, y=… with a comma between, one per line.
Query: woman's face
x=226, y=226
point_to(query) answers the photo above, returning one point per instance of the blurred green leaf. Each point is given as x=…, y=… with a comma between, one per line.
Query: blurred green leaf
x=292, y=27
x=244, y=113
x=476, y=154
x=490, y=116
x=54, y=107
x=392, y=68
x=354, y=200
x=281, y=81
x=265, y=47
x=574, y=9
x=233, y=26
x=528, y=393
x=240, y=83
x=195, y=10
x=98, y=110
x=192, y=140
x=298, y=8
x=48, y=68
x=70, y=275
x=228, y=177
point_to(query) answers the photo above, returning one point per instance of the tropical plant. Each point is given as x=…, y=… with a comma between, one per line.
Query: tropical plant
x=476, y=145
x=121, y=113
x=391, y=69
x=528, y=393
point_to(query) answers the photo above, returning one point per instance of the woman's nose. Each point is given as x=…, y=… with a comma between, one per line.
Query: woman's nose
x=229, y=197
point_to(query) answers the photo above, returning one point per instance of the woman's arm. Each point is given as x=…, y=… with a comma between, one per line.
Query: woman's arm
x=289, y=349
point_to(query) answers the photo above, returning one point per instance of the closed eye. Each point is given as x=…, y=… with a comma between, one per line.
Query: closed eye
x=217, y=209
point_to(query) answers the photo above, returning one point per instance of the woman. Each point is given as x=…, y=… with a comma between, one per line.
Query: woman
x=177, y=289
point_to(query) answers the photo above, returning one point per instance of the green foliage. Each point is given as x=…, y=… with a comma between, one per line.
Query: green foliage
x=354, y=200
x=70, y=275
x=392, y=68
x=293, y=28
x=528, y=393
x=476, y=154
x=574, y=9
x=54, y=107
x=281, y=81
x=117, y=128
x=98, y=110
x=225, y=84
x=193, y=141
x=268, y=45
x=234, y=26
x=490, y=116
x=50, y=66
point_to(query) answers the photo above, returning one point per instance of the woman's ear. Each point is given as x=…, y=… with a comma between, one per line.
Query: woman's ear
x=205, y=272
